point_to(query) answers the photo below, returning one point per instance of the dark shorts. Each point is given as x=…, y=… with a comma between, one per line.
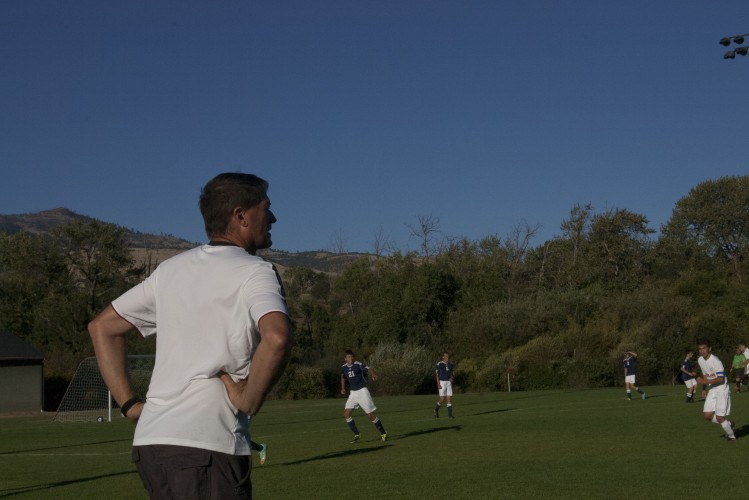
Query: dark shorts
x=739, y=374
x=179, y=472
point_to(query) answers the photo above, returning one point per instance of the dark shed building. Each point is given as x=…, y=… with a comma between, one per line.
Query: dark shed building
x=21, y=375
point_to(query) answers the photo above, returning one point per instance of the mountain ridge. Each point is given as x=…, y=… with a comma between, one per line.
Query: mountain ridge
x=167, y=245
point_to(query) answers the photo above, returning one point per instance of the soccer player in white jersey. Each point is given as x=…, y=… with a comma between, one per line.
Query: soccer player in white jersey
x=715, y=389
x=444, y=375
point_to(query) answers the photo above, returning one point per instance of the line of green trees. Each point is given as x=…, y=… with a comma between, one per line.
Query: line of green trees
x=556, y=315
x=559, y=314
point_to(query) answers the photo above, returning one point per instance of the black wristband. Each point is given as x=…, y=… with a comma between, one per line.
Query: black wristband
x=129, y=404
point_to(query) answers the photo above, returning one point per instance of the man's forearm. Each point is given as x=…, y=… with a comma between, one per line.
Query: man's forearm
x=108, y=333
x=268, y=364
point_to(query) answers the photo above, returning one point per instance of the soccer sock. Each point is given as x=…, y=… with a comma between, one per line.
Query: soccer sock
x=715, y=420
x=379, y=426
x=352, y=425
x=449, y=410
x=638, y=390
x=437, y=408
x=726, y=424
x=629, y=393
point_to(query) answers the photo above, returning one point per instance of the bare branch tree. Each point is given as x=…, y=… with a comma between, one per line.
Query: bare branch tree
x=338, y=242
x=381, y=244
x=425, y=230
x=516, y=243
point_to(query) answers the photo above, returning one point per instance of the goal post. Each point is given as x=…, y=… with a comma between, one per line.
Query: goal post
x=87, y=398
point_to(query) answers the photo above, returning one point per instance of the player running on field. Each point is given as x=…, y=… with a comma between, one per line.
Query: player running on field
x=718, y=397
x=356, y=374
x=444, y=375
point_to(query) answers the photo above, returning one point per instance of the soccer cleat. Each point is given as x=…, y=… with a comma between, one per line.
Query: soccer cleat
x=643, y=396
x=384, y=437
x=356, y=438
x=262, y=453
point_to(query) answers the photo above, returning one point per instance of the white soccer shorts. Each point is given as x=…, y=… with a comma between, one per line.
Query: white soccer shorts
x=446, y=388
x=361, y=398
x=690, y=383
x=629, y=379
x=718, y=401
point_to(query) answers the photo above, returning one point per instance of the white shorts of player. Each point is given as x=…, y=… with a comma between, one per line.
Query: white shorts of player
x=718, y=401
x=446, y=388
x=629, y=379
x=690, y=383
x=361, y=398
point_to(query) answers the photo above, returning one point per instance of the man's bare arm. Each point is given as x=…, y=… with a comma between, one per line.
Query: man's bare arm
x=268, y=364
x=108, y=333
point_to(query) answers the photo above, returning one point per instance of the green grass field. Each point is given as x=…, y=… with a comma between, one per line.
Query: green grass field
x=561, y=444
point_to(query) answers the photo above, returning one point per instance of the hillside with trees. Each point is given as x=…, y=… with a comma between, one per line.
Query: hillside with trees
x=556, y=315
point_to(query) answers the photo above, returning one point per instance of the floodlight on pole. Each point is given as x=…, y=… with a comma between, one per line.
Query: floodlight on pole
x=738, y=40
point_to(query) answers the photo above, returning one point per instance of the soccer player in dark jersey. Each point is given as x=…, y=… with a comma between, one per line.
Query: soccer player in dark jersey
x=444, y=375
x=356, y=374
x=630, y=367
x=688, y=375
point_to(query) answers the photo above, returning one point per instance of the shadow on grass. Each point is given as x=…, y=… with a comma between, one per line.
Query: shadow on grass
x=426, y=431
x=372, y=449
x=741, y=432
x=44, y=487
x=338, y=454
x=492, y=411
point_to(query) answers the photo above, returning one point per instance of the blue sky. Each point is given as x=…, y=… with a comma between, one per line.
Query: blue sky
x=365, y=115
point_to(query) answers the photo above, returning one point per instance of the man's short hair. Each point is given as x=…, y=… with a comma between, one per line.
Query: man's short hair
x=704, y=342
x=349, y=351
x=225, y=192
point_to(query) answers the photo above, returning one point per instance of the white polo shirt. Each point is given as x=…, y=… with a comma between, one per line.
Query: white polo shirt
x=205, y=305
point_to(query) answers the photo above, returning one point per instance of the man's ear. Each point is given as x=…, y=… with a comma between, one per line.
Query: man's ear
x=239, y=214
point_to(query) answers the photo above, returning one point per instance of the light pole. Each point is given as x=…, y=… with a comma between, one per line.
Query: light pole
x=738, y=40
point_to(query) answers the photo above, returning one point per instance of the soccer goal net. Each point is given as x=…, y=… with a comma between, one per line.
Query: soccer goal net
x=87, y=398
